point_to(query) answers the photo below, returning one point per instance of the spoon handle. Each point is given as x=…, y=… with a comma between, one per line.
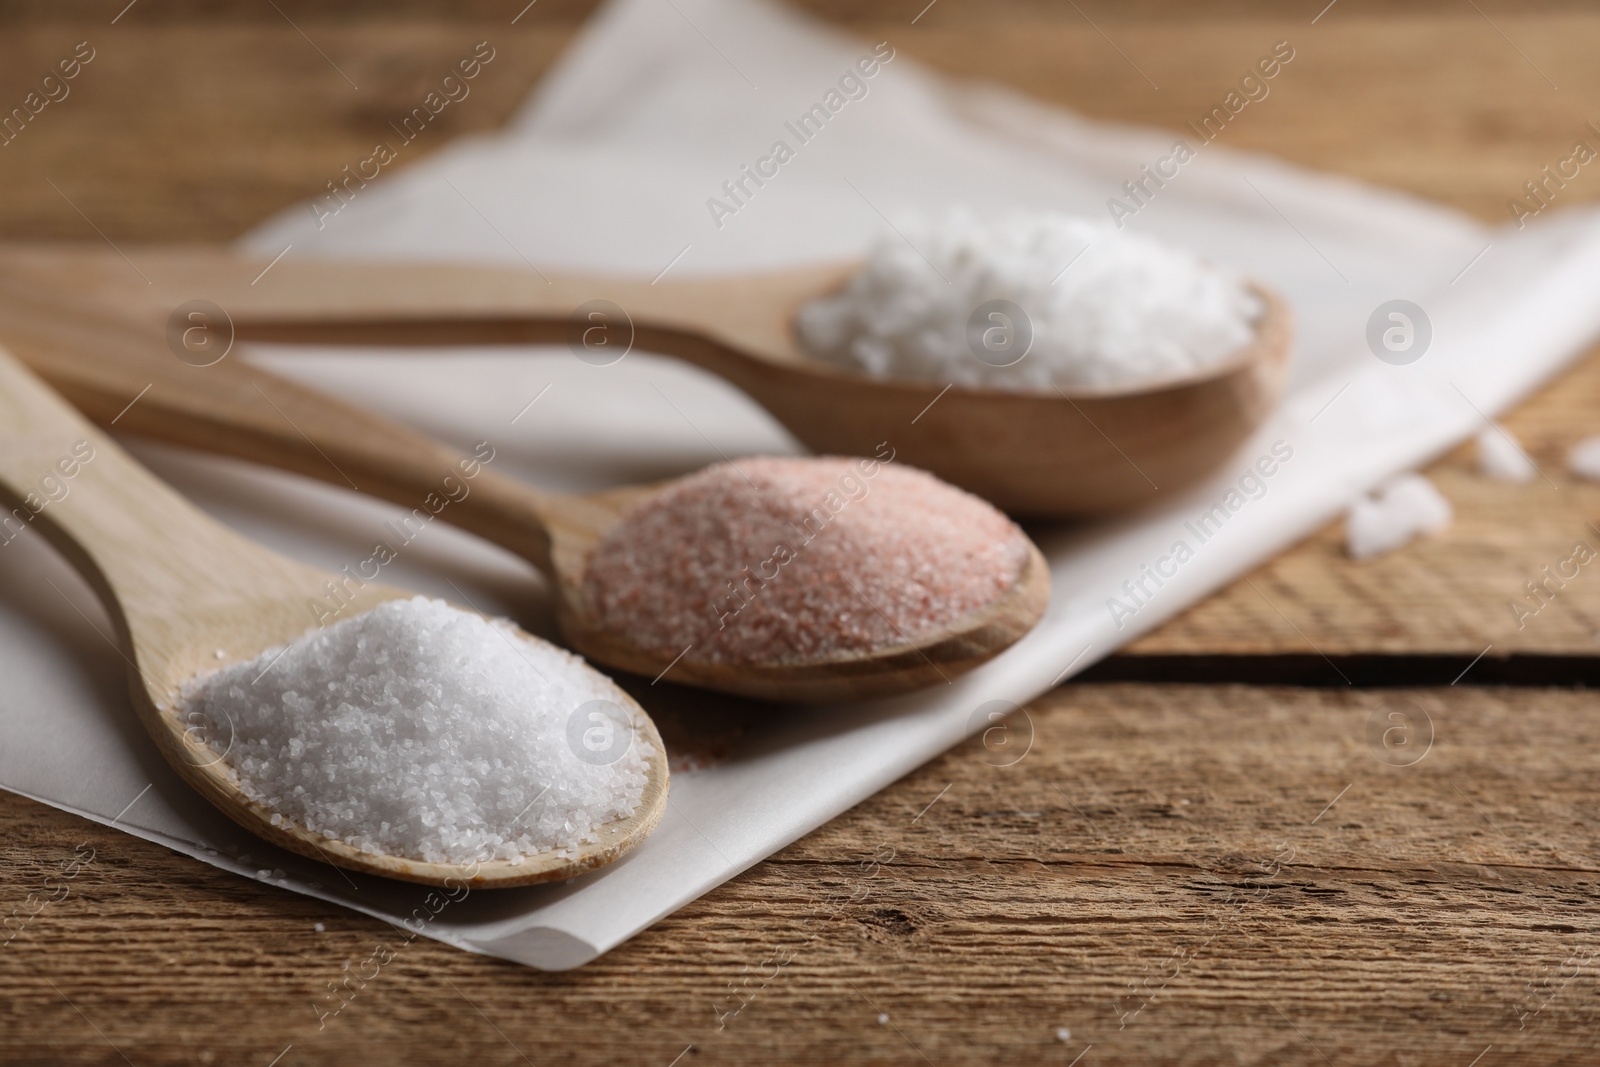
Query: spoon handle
x=135, y=539
x=712, y=322
x=118, y=373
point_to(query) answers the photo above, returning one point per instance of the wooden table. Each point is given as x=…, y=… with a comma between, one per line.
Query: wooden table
x=1207, y=856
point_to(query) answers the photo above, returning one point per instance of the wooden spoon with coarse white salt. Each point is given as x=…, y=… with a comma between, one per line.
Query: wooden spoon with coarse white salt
x=190, y=597
x=1043, y=453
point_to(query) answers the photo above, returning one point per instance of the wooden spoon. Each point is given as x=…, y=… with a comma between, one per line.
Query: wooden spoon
x=180, y=586
x=119, y=370
x=1043, y=454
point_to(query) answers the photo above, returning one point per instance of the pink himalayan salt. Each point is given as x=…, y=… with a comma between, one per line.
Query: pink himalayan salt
x=775, y=560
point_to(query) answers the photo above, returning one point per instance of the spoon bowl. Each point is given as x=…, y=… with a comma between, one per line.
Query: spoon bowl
x=1044, y=454
x=964, y=644
x=189, y=595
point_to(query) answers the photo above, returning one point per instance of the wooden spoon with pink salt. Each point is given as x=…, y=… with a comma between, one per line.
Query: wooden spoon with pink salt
x=806, y=579
x=815, y=579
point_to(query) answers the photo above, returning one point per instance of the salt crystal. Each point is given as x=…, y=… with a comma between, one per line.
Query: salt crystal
x=420, y=730
x=773, y=560
x=1584, y=459
x=1502, y=459
x=1103, y=306
x=1398, y=511
x=318, y=927
x=1063, y=1034
x=883, y=1018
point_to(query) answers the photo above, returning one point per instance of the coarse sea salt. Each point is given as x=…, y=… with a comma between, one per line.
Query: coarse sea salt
x=776, y=560
x=1501, y=458
x=1392, y=516
x=1105, y=307
x=420, y=730
x=1584, y=459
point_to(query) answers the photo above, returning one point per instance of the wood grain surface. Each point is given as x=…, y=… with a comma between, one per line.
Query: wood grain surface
x=1172, y=874
x=218, y=113
x=1452, y=593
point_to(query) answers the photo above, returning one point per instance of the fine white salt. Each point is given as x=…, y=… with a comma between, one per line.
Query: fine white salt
x=420, y=730
x=1098, y=306
x=1584, y=459
x=1501, y=458
x=1398, y=511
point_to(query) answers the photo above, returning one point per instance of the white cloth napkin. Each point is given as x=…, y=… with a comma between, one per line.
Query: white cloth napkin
x=609, y=168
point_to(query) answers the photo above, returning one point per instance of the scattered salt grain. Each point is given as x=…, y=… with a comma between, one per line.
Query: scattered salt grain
x=1398, y=511
x=1063, y=1034
x=1105, y=306
x=774, y=560
x=420, y=730
x=1502, y=459
x=318, y=927
x=1584, y=459
x=883, y=1018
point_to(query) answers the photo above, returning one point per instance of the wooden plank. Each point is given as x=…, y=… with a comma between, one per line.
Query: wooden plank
x=1460, y=592
x=1439, y=104
x=1171, y=874
x=194, y=131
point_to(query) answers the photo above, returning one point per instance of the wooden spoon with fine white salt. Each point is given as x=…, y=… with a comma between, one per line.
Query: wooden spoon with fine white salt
x=180, y=587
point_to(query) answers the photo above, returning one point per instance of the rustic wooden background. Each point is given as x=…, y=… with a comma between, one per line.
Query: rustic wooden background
x=1190, y=865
